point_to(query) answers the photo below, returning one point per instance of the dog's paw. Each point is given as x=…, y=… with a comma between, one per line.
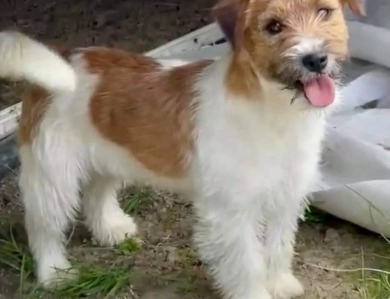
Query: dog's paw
x=115, y=230
x=286, y=287
x=56, y=276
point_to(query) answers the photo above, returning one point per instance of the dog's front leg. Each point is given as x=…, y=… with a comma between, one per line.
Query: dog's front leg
x=229, y=238
x=280, y=234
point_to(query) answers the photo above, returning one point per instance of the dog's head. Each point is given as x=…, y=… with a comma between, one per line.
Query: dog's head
x=296, y=43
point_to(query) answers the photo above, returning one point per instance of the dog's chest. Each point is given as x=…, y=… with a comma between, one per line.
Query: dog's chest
x=281, y=154
x=274, y=155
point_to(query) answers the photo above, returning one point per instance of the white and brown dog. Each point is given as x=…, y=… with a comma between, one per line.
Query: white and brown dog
x=241, y=135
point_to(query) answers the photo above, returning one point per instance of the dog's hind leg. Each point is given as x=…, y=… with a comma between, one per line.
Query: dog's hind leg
x=49, y=186
x=103, y=215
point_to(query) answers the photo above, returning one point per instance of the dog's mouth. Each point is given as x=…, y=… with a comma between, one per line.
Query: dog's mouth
x=320, y=90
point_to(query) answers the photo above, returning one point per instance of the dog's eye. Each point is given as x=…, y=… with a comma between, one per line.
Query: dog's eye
x=324, y=12
x=274, y=27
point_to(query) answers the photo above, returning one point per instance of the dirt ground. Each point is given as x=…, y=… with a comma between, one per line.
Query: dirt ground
x=165, y=267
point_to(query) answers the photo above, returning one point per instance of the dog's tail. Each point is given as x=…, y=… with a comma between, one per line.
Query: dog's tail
x=22, y=58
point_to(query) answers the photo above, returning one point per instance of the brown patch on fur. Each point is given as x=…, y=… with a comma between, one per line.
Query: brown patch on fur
x=241, y=78
x=34, y=104
x=255, y=51
x=35, y=101
x=143, y=108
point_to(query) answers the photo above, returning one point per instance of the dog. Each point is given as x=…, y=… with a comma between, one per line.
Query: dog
x=241, y=136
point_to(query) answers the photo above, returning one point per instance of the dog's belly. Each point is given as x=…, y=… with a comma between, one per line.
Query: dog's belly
x=112, y=160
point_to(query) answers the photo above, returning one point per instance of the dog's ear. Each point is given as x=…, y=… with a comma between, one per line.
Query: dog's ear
x=356, y=6
x=229, y=15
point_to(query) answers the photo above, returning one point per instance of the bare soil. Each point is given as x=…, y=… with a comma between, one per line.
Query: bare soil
x=166, y=267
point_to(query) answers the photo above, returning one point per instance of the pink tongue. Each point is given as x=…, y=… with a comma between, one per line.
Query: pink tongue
x=320, y=92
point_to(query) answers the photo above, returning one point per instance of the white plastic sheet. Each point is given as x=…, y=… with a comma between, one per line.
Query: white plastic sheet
x=356, y=156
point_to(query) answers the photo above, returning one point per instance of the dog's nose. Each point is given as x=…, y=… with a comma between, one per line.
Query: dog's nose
x=315, y=63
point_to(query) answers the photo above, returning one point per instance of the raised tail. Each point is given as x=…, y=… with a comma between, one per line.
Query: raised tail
x=22, y=58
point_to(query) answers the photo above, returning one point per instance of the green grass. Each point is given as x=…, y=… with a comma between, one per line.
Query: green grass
x=132, y=204
x=315, y=216
x=375, y=283
x=371, y=283
x=94, y=281
x=15, y=256
x=186, y=286
x=376, y=288
x=128, y=247
x=105, y=281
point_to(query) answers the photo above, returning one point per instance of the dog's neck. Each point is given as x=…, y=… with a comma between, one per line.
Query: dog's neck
x=216, y=82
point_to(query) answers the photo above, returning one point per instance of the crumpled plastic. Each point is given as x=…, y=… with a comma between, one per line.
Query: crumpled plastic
x=356, y=157
x=355, y=166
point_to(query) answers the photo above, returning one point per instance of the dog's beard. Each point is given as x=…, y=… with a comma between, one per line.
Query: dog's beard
x=292, y=76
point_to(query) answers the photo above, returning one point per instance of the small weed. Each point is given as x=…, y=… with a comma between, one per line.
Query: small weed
x=94, y=282
x=128, y=247
x=376, y=288
x=185, y=287
x=315, y=216
x=133, y=204
x=377, y=285
x=15, y=256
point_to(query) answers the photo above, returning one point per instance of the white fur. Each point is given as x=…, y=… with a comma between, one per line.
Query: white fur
x=306, y=45
x=253, y=164
x=103, y=215
x=170, y=63
x=24, y=58
x=256, y=162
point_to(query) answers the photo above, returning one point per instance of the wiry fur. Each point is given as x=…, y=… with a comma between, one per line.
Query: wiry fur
x=244, y=153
